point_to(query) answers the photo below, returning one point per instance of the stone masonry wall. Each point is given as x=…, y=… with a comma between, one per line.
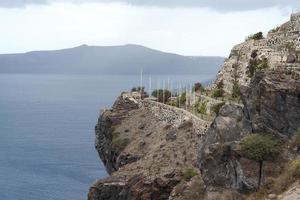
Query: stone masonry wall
x=175, y=116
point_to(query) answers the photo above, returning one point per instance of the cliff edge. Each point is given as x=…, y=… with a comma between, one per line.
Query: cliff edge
x=147, y=147
x=157, y=151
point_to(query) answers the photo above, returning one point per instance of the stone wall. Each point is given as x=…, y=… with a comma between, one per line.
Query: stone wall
x=175, y=116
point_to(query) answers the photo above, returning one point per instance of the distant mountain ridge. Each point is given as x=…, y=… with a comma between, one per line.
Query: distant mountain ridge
x=126, y=59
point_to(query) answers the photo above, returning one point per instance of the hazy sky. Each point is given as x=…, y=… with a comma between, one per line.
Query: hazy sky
x=188, y=27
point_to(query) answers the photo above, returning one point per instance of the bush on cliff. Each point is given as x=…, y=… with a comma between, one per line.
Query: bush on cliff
x=162, y=96
x=260, y=147
x=263, y=64
x=182, y=98
x=235, y=90
x=201, y=107
x=198, y=87
x=188, y=174
x=218, y=93
x=138, y=89
x=256, y=36
x=257, y=64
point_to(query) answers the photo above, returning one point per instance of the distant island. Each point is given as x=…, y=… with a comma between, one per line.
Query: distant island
x=126, y=59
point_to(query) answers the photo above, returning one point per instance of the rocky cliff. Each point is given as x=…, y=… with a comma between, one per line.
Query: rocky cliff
x=271, y=105
x=157, y=151
x=146, y=147
x=279, y=47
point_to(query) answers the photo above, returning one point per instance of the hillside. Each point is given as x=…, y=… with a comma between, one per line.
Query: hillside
x=239, y=139
x=127, y=59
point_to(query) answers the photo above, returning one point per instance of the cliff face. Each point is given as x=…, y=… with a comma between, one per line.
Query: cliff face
x=272, y=101
x=108, y=147
x=156, y=151
x=279, y=47
x=146, y=147
x=271, y=104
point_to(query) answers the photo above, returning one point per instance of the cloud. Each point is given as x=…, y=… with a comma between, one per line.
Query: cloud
x=219, y=5
x=187, y=31
x=20, y=3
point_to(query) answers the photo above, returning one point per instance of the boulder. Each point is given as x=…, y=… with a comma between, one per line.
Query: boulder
x=171, y=135
x=272, y=102
x=291, y=58
x=219, y=159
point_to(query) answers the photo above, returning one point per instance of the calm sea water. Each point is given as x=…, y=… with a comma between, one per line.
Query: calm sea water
x=47, y=132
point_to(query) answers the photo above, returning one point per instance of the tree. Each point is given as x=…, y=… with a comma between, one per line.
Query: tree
x=256, y=36
x=219, y=91
x=198, y=87
x=182, y=98
x=162, y=96
x=138, y=89
x=260, y=147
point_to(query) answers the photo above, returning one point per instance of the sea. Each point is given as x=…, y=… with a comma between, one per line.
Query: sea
x=47, y=130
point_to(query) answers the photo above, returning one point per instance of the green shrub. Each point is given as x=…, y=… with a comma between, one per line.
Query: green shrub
x=162, y=96
x=216, y=108
x=202, y=107
x=137, y=89
x=183, y=98
x=263, y=64
x=134, y=89
x=198, y=87
x=188, y=174
x=218, y=93
x=257, y=64
x=260, y=147
x=173, y=102
x=236, y=90
x=256, y=36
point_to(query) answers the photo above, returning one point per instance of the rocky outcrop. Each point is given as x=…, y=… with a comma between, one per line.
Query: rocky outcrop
x=110, y=153
x=281, y=46
x=219, y=159
x=110, y=190
x=145, y=147
x=292, y=193
x=271, y=104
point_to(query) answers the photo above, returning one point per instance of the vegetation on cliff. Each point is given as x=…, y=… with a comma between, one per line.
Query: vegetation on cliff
x=260, y=147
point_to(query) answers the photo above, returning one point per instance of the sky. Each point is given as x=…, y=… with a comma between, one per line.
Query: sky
x=187, y=27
